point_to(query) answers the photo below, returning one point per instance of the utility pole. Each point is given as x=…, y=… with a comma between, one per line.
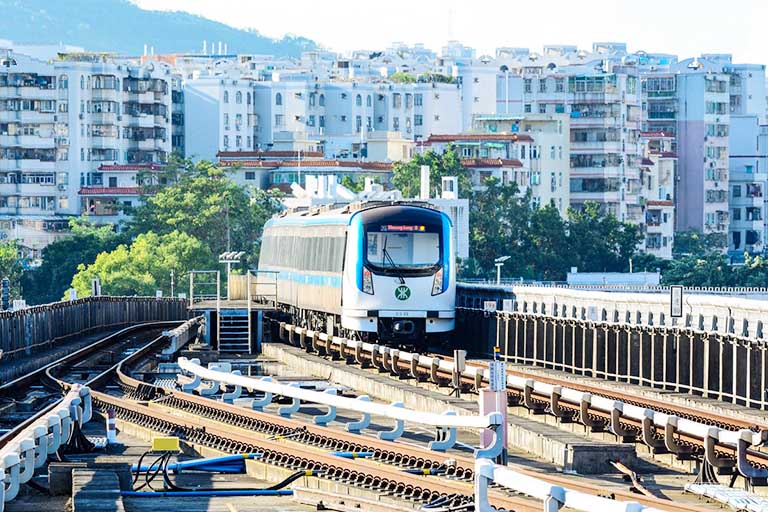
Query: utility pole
x=172, y=283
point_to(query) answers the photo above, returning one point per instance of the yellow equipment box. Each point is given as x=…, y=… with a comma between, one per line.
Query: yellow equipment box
x=165, y=444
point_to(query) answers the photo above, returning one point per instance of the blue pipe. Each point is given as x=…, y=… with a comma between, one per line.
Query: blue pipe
x=222, y=492
x=353, y=455
x=424, y=471
x=232, y=463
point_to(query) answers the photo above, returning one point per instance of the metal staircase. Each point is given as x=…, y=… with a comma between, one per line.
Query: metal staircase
x=233, y=331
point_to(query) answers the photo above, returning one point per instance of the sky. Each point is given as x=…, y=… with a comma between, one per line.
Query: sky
x=683, y=27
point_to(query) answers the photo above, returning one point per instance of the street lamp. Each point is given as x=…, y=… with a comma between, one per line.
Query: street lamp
x=499, y=262
x=229, y=258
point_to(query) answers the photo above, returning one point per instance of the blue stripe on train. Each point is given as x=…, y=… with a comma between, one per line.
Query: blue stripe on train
x=307, y=278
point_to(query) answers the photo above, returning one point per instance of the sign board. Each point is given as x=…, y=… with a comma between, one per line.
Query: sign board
x=182, y=295
x=676, y=301
x=489, y=305
x=498, y=375
x=72, y=294
x=460, y=360
x=508, y=305
x=158, y=294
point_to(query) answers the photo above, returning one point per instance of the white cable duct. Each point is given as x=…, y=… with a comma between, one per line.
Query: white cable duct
x=554, y=497
x=30, y=448
x=362, y=406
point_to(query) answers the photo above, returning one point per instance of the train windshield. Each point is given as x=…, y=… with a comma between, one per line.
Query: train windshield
x=399, y=248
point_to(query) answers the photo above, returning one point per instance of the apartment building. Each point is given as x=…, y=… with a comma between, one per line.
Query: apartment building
x=62, y=119
x=658, y=169
x=703, y=124
x=543, y=150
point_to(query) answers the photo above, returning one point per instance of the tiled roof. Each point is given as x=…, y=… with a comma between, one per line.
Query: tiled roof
x=273, y=164
x=268, y=154
x=490, y=162
x=111, y=191
x=512, y=137
x=659, y=203
x=665, y=154
x=130, y=167
x=647, y=161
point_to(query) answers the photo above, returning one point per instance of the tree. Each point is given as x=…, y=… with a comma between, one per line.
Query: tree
x=10, y=266
x=407, y=175
x=207, y=205
x=61, y=259
x=697, y=243
x=402, y=78
x=550, y=255
x=600, y=243
x=144, y=266
x=499, y=220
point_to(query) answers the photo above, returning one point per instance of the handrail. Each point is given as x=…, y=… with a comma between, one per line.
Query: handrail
x=554, y=497
x=29, y=449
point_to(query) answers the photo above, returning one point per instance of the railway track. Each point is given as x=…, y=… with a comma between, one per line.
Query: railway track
x=597, y=419
x=298, y=445
x=42, y=388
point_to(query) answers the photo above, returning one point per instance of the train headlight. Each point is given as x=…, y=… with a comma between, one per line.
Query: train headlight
x=367, y=281
x=437, y=282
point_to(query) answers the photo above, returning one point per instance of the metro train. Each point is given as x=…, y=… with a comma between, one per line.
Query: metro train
x=376, y=271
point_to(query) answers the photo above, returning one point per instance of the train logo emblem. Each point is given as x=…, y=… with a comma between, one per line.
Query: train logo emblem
x=402, y=292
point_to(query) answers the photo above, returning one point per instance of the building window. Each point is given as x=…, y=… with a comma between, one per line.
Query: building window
x=748, y=169
x=418, y=120
x=63, y=82
x=368, y=101
x=248, y=98
x=311, y=120
x=248, y=142
x=250, y=175
x=278, y=99
x=226, y=121
x=238, y=141
x=321, y=121
x=437, y=117
x=559, y=85
x=528, y=85
x=82, y=82
x=543, y=85
x=359, y=100
x=396, y=123
x=418, y=100
x=542, y=108
x=527, y=108
x=238, y=121
x=112, y=181
x=737, y=191
x=226, y=96
x=238, y=97
x=397, y=100
x=226, y=141
x=737, y=214
x=321, y=100
x=466, y=152
x=358, y=124
x=279, y=120
x=552, y=152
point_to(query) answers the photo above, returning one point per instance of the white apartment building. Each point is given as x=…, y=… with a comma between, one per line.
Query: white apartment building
x=748, y=155
x=59, y=121
x=657, y=181
x=543, y=150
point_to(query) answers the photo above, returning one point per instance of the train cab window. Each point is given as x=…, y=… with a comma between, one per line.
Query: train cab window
x=410, y=249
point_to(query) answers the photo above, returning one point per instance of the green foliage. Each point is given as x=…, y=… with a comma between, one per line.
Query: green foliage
x=207, y=205
x=541, y=244
x=407, y=175
x=402, y=78
x=436, y=77
x=712, y=269
x=61, y=259
x=696, y=243
x=354, y=185
x=145, y=265
x=10, y=266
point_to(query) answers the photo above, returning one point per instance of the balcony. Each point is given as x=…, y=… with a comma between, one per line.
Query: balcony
x=104, y=94
x=608, y=146
x=104, y=118
x=662, y=115
x=103, y=142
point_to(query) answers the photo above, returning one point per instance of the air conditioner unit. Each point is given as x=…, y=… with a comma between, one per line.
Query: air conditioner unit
x=119, y=118
x=62, y=187
x=81, y=116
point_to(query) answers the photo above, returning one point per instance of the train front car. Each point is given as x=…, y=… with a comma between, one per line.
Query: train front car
x=399, y=275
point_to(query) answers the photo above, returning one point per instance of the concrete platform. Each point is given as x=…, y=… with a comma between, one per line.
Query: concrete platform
x=568, y=451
